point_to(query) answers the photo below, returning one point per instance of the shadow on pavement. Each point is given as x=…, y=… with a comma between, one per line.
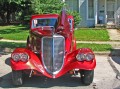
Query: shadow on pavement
x=116, y=84
x=6, y=81
x=7, y=61
x=4, y=51
x=115, y=55
x=40, y=81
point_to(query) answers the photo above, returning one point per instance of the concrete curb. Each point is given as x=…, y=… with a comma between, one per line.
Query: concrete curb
x=100, y=42
x=97, y=42
x=16, y=41
x=108, y=53
x=103, y=53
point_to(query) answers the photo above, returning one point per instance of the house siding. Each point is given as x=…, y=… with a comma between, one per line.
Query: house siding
x=101, y=11
x=83, y=13
x=82, y=8
x=118, y=4
x=101, y=8
x=117, y=14
x=90, y=23
x=72, y=5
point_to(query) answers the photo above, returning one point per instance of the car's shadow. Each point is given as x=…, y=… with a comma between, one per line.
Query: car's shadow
x=115, y=55
x=7, y=61
x=41, y=81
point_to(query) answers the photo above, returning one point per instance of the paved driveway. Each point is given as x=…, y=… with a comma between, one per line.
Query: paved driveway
x=105, y=77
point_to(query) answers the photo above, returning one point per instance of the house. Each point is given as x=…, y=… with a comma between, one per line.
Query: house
x=96, y=12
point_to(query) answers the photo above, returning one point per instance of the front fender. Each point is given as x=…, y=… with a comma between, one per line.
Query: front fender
x=72, y=63
x=33, y=63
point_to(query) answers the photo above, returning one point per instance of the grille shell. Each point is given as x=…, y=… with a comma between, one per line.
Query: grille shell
x=53, y=51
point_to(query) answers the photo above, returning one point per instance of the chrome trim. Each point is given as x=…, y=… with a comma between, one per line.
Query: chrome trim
x=53, y=55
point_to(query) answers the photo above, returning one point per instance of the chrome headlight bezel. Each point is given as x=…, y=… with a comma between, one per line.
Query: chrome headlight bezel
x=16, y=57
x=80, y=56
x=24, y=57
x=85, y=56
x=90, y=56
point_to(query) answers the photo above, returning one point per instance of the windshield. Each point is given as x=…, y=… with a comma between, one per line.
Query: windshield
x=40, y=22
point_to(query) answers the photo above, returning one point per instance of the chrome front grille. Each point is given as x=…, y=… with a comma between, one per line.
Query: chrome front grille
x=53, y=49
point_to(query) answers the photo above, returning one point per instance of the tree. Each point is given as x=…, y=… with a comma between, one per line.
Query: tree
x=6, y=9
x=52, y=6
x=40, y=7
x=26, y=8
x=47, y=6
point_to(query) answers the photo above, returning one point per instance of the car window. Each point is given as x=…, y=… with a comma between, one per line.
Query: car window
x=70, y=22
x=44, y=22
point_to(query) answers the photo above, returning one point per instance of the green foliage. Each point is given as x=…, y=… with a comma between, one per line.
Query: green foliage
x=52, y=6
x=46, y=6
x=8, y=7
x=12, y=45
x=23, y=9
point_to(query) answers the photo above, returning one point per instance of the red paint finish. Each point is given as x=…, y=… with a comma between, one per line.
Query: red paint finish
x=69, y=63
x=64, y=26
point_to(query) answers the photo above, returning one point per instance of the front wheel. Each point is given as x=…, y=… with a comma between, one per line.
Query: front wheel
x=17, y=78
x=87, y=76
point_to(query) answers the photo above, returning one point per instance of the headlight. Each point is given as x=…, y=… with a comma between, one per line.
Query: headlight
x=20, y=56
x=16, y=57
x=90, y=56
x=24, y=57
x=87, y=57
x=80, y=57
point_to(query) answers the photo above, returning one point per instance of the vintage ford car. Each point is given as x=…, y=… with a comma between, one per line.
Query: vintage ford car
x=51, y=51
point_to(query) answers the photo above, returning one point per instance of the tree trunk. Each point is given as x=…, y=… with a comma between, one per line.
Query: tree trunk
x=3, y=18
x=8, y=17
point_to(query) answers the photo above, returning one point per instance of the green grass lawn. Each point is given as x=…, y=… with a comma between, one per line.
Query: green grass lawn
x=85, y=34
x=95, y=47
x=14, y=32
x=11, y=45
x=91, y=34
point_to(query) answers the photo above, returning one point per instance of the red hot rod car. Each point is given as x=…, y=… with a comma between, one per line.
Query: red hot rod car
x=51, y=51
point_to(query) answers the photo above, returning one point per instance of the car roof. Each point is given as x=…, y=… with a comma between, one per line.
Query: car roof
x=45, y=16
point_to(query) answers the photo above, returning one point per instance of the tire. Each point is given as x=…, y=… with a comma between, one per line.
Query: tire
x=17, y=78
x=87, y=76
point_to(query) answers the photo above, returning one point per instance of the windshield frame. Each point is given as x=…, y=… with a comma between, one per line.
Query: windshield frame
x=35, y=22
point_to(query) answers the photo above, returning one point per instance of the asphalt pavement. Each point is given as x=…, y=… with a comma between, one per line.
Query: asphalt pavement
x=105, y=77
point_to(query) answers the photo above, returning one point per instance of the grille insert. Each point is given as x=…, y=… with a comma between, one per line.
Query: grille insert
x=53, y=53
